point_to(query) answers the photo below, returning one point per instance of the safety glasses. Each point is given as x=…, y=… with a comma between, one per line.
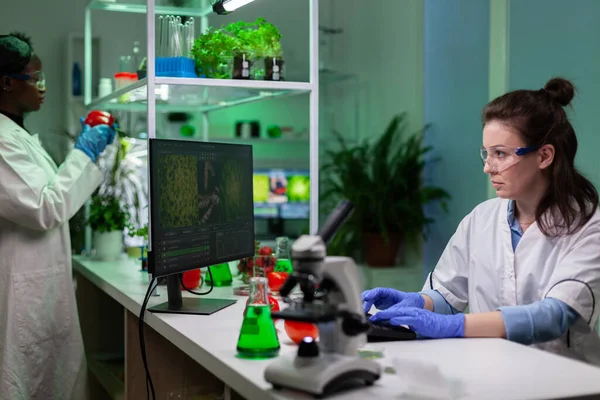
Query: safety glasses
x=37, y=79
x=499, y=158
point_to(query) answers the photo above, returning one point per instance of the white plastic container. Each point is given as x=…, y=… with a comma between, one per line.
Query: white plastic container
x=105, y=87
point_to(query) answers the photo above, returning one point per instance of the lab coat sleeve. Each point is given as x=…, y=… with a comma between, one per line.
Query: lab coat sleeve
x=440, y=305
x=576, y=278
x=539, y=322
x=31, y=199
x=450, y=276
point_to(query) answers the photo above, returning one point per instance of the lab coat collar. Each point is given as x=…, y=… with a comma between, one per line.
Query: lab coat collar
x=7, y=123
x=513, y=223
x=506, y=237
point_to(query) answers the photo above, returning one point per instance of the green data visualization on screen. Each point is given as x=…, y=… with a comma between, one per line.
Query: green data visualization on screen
x=199, y=190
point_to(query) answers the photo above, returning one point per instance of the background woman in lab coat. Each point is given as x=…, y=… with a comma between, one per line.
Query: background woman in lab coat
x=527, y=263
x=41, y=350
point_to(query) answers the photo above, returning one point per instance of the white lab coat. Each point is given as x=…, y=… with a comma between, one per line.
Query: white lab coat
x=479, y=269
x=41, y=349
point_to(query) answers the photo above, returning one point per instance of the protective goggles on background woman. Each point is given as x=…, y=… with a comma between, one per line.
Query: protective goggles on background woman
x=500, y=158
x=37, y=79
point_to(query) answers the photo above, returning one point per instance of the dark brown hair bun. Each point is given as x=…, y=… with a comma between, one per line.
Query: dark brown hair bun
x=561, y=90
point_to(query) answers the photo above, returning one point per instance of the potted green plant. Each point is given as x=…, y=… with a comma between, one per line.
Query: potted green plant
x=212, y=52
x=269, y=47
x=108, y=219
x=246, y=41
x=383, y=180
x=117, y=205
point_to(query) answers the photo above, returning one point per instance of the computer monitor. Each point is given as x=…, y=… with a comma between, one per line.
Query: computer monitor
x=281, y=194
x=201, y=213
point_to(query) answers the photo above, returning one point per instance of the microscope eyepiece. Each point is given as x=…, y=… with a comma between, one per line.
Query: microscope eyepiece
x=335, y=220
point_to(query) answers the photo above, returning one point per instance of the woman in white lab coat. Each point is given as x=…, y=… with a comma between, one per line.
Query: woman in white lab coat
x=41, y=350
x=527, y=263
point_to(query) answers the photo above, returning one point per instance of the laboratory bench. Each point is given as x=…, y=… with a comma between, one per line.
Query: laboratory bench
x=194, y=357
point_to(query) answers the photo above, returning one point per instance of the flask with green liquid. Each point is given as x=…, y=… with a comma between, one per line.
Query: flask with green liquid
x=282, y=254
x=221, y=275
x=258, y=337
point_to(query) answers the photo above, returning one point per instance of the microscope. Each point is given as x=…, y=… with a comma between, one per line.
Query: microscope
x=331, y=298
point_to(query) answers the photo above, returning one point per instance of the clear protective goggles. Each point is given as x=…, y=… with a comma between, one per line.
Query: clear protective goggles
x=499, y=158
x=37, y=79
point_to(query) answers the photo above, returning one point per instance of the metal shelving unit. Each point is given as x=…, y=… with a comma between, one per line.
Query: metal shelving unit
x=196, y=94
x=159, y=94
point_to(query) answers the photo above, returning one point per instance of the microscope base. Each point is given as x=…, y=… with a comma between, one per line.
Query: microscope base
x=322, y=375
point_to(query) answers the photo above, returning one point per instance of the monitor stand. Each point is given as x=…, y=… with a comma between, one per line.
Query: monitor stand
x=177, y=304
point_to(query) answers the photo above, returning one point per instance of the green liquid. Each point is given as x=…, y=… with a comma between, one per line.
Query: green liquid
x=221, y=275
x=284, y=265
x=258, y=337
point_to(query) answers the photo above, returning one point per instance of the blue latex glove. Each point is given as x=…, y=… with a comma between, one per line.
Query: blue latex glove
x=93, y=141
x=383, y=298
x=424, y=322
x=111, y=138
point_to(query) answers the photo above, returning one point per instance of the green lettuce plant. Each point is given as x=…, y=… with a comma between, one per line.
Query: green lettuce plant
x=212, y=52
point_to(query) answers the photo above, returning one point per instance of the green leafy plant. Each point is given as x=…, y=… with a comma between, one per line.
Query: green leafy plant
x=107, y=214
x=122, y=186
x=384, y=182
x=212, y=52
x=245, y=38
x=269, y=39
x=255, y=39
x=141, y=232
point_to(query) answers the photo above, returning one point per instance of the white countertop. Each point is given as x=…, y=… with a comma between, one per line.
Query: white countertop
x=489, y=368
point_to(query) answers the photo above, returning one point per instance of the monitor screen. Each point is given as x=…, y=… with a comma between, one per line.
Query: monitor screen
x=281, y=193
x=201, y=204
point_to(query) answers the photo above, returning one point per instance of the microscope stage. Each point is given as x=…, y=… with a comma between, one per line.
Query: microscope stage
x=323, y=375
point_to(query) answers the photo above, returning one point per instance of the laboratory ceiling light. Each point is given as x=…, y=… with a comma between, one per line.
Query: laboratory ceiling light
x=223, y=7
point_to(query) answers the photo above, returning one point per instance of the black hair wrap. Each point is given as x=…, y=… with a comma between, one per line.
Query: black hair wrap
x=15, y=54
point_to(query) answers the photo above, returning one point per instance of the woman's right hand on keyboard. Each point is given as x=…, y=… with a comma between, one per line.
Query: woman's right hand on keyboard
x=383, y=298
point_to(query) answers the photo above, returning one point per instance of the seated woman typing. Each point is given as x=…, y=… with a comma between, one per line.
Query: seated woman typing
x=527, y=264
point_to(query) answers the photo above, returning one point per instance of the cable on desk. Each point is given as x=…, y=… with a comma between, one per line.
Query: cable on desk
x=149, y=384
x=199, y=293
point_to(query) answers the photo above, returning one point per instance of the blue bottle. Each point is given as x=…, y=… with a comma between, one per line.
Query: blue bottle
x=76, y=78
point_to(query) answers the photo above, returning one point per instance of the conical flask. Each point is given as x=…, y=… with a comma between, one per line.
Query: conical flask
x=221, y=275
x=258, y=337
x=282, y=254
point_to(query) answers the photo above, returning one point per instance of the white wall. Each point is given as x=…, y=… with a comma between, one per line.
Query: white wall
x=383, y=46
x=554, y=38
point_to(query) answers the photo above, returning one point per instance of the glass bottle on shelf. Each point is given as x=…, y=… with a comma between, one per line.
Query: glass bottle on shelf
x=258, y=336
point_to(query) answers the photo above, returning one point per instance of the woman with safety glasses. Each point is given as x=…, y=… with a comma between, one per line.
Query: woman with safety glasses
x=527, y=264
x=41, y=349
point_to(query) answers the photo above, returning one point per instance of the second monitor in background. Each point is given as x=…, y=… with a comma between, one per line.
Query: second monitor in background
x=280, y=195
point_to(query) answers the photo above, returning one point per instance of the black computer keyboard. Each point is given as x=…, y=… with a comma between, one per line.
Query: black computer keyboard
x=383, y=331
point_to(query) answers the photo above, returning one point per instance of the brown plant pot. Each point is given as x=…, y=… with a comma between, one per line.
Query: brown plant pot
x=242, y=67
x=273, y=69
x=378, y=252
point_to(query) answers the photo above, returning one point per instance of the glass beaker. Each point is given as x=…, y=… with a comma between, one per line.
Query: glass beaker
x=282, y=253
x=258, y=336
x=221, y=275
